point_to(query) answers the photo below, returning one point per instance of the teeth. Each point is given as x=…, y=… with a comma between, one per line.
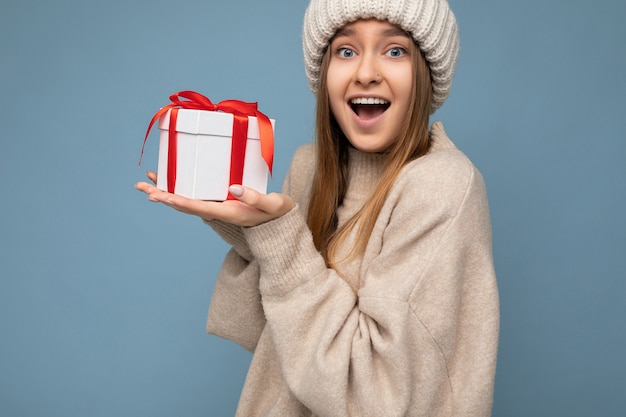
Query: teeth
x=370, y=100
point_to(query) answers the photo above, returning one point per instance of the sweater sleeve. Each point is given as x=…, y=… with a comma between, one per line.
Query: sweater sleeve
x=420, y=336
x=235, y=311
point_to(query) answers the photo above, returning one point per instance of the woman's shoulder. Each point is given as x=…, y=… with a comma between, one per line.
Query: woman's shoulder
x=443, y=150
x=298, y=180
x=304, y=155
x=444, y=172
x=443, y=160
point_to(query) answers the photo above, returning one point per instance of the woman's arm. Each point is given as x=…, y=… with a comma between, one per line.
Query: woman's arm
x=235, y=312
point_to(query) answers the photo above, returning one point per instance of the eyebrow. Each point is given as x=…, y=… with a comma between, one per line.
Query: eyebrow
x=394, y=31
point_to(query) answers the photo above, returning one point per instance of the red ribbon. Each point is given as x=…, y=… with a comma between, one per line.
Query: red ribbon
x=239, y=109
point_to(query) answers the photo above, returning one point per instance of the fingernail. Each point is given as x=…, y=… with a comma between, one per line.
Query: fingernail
x=236, y=190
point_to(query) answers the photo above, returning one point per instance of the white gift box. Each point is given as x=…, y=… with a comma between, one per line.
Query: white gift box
x=204, y=142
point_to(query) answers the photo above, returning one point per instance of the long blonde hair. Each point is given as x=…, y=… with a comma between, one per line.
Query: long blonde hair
x=330, y=181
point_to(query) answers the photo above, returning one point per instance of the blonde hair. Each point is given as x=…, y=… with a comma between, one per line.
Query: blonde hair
x=330, y=181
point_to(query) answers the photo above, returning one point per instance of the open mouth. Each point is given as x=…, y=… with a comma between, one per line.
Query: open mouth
x=369, y=108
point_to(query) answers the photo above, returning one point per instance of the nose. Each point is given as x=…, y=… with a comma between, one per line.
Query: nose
x=367, y=71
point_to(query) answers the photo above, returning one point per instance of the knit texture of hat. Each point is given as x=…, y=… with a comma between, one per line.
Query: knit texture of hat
x=431, y=23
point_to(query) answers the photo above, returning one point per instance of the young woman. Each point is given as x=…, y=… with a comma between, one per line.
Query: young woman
x=367, y=288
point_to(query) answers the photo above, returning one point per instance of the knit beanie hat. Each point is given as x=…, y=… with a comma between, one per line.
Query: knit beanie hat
x=431, y=23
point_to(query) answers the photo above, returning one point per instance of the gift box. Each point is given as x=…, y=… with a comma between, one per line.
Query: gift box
x=203, y=160
x=206, y=147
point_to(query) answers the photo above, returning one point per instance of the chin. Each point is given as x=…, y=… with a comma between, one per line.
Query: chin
x=367, y=148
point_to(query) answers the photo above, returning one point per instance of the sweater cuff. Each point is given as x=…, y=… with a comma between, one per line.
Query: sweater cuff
x=233, y=235
x=284, y=249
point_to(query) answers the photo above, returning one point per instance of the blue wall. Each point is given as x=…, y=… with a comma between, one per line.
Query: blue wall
x=103, y=296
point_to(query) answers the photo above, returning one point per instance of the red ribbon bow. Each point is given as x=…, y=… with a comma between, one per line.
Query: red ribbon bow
x=239, y=109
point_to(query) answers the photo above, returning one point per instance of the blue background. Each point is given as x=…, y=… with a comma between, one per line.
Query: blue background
x=103, y=295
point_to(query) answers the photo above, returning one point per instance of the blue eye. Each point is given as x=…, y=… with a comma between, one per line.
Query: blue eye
x=396, y=52
x=345, y=52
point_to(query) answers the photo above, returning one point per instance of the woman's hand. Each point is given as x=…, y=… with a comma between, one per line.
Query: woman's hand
x=250, y=209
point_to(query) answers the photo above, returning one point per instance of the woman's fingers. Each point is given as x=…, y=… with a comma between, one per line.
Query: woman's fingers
x=152, y=176
x=250, y=209
x=273, y=204
x=146, y=188
x=180, y=203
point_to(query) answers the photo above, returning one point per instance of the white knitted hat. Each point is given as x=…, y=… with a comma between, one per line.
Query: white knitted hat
x=431, y=23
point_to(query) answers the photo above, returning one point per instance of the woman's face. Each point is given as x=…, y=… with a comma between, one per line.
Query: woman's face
x=369, y=81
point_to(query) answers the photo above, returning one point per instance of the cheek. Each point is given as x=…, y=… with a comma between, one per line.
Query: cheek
x=337, y=76
x=335, y=96
x=403, y=75
x=404, y=87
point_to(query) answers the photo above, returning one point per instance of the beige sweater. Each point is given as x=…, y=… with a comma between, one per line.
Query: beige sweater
x=408, y=329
